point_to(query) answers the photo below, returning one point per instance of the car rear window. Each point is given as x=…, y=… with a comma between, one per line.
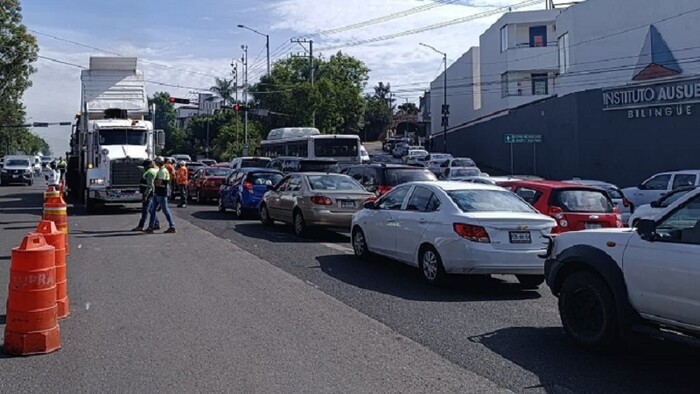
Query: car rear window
x=461, y=172
x=463, y=163
x=582, y=200
x=261, y=178
x=254, y=163
x=614, y=192
x=214, y=171
x=488, y=201
x=311, y=166
x=397, y=176
x=334, y=182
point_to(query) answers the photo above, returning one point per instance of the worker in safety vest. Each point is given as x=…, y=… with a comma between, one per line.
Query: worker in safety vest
x=62, y=166
x=147, y=178
x=171, y=171
x=161, y=184
x=181, y=180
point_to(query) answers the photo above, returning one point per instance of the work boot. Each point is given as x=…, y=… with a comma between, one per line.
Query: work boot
x=156, y=227
x=148, y=231
x=170, y=230
x=137, y=228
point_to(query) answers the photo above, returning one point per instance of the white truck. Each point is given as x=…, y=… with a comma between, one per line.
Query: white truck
x=111, y=138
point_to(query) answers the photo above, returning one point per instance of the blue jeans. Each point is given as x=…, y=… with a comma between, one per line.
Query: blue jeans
x=145, y=209
x=163, y=202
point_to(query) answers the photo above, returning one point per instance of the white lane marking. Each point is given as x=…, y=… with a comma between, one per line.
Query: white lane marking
x=337, y=247
x=87, y=306
x=80, y=246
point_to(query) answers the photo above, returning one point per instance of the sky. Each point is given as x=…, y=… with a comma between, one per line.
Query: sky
x=187, y=43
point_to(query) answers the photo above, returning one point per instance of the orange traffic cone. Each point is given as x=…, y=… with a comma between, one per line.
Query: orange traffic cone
x=32, y=324
x=51, y=192
x=57, y=239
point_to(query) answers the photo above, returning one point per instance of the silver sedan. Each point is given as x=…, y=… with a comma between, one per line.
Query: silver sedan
x=313, y=199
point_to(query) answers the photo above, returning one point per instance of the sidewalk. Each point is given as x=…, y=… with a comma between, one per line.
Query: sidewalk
x=190, y=312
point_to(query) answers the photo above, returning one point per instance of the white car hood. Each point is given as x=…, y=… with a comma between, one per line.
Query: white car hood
x=123, y=151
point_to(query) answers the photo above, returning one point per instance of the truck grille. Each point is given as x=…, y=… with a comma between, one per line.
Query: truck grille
x=125, y=172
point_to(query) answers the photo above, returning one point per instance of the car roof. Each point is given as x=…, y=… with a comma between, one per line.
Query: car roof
x=307, y=159
x=252, y=158
x=453, y=185
x=258, y=169
x=553, y=184
x=386, y=165
x=307, y=173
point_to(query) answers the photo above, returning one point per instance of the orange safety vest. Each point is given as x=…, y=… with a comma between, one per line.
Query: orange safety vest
x=181, y=176
x=170, y=169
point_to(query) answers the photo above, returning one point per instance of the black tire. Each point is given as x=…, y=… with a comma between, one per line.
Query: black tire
x=265, y=218
x=430, y=264
x=587, y=310
x=239, y=211
x=359, y=244
x=530, y=282
x=299, y=224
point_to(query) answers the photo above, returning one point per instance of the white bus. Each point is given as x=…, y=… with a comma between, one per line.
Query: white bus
x=309, y=143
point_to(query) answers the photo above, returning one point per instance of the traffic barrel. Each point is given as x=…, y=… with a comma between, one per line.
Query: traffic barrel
x=51, y=192
x=56, y=210
x=31, y=320
x=57, y=239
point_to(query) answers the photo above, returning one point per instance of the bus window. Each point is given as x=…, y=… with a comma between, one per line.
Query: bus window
x=336, y=147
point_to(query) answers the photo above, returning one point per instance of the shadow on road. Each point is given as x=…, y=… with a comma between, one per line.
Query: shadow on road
x=20, y=228
x=562, y=367
x=5, y=257
x=283, y=232
x=399, y=280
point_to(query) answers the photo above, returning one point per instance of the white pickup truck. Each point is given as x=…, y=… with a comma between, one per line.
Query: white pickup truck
x=612, y=282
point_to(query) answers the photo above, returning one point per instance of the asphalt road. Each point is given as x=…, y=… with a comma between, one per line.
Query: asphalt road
x=484, y=328
x=486, y=325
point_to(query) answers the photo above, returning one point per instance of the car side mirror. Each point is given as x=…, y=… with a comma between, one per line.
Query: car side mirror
x=646, y=228
x=369, y=204
x=655, y=204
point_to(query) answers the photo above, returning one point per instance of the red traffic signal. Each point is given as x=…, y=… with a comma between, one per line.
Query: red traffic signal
x=236, y=107
x=176, y=100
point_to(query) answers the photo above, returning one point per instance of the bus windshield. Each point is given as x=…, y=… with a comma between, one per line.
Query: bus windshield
x=122, y=137
x=336, y=147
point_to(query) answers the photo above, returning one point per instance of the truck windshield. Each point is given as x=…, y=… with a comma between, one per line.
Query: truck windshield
x=122, y=137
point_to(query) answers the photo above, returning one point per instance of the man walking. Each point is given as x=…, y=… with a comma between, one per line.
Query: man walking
x=62, y=166
x=181, y=179
x=171, y=171
x=149, y=174
x=160, y=197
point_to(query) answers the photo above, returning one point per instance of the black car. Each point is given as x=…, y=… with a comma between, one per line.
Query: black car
x=380, y=178
x=301, y=164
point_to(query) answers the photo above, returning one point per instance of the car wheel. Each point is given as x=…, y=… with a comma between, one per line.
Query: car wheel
x=299, y=224
x=359, y=244
x=587, y=311
x=530, y=282
x=222, y=208
x=240, y=212
x=430, y=265
x=265, y=218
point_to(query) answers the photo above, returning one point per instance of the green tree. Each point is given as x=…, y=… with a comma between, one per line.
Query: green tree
x=408, y=108
x=334, y=101
x=18, y=50
x=166, y=120
x=378, y=113
x=224, y=88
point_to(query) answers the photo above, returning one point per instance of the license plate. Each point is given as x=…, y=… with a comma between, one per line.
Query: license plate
x=520, y=237
x=347, y=204
x=591, y=226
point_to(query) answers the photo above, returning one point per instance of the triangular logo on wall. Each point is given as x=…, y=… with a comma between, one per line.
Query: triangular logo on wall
x=656, y=59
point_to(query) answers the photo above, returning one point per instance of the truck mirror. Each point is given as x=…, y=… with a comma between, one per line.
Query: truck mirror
x=160, y=138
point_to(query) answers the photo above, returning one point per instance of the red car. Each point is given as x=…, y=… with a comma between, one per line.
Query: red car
x=573, y=206
x=205, y=183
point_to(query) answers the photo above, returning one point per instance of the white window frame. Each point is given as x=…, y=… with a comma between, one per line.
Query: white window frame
x=563, y=51
x=504, y=38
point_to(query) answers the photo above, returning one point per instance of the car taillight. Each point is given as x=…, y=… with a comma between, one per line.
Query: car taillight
x=472, y=233
x=618, y=215
x=383, y=189
x=321, y=200
x=556, y=213
x=249, y=187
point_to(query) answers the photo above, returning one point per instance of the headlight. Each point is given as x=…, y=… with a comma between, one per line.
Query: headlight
x=97, y=181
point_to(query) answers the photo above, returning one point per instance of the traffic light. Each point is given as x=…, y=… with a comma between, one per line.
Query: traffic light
x=176, y=100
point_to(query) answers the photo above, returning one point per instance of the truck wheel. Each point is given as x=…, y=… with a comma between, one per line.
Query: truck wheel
x=587, y=310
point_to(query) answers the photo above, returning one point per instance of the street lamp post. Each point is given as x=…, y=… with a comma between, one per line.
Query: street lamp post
x=244, y=60
x=267, y=44
x=445, y=111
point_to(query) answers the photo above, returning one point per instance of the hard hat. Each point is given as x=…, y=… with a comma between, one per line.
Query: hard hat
x=147, y=163
x=159, y=160
x=182, y=163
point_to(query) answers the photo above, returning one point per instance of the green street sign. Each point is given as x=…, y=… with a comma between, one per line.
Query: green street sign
x=523, y=138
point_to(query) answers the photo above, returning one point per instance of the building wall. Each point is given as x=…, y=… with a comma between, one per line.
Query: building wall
x=606, y=39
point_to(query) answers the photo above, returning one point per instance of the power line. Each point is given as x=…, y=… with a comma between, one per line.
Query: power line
x=435, y=26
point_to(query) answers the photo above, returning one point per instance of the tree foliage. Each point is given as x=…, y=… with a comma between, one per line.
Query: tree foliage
x=408, y=108
x=18, y=50
x=224, y=88
x=166, y=120
x=334, y=101
x=378, y=112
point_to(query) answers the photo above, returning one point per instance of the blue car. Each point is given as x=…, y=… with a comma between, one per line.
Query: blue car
x=243, y=190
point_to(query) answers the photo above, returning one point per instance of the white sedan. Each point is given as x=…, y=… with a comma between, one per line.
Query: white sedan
x=455, y=228
x=649, y=211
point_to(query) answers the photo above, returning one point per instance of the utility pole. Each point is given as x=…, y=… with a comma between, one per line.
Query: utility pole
x=446, y=107
x=311, y=68
x=244, y=60
x=234, y=72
